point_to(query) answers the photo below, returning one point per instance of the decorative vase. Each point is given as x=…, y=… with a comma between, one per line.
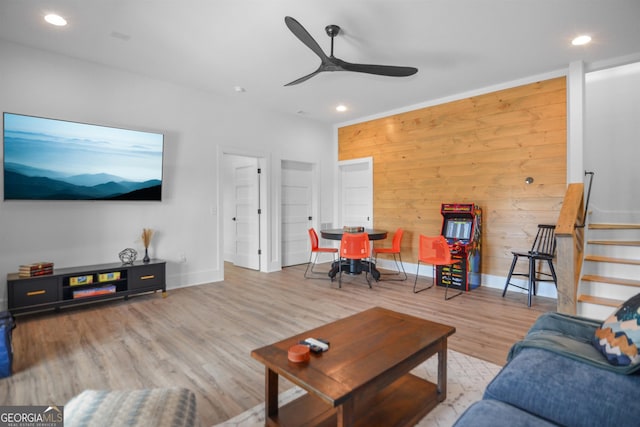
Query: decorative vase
x=146, y=258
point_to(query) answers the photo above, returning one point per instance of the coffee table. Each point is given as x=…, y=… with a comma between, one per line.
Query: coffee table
x=363, y=379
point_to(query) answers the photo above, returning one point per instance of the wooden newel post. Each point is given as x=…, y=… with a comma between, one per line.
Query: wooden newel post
x=569, y=248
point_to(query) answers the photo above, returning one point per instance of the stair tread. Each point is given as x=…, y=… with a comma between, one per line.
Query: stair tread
x=598, y=258
x=612, y=280
x=610, y=302
x=608, y=241
x=614, y=226
x=615, y=242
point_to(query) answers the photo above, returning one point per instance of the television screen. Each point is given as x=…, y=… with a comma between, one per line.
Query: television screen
x=48, y=159
x=458, y=228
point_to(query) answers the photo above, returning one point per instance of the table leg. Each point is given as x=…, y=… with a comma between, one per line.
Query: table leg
x=374, y=271
x=346, y=414
x=442, y=371
x=334, y=270
x=271, y=394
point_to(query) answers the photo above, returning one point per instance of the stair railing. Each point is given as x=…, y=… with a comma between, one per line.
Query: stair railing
x=586, y=205
x=570, y=245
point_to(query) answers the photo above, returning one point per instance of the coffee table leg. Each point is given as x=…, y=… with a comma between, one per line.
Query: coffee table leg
x=346, y=414
x=442, y=371
x=271, y=393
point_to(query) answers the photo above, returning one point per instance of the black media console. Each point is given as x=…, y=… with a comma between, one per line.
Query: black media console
x=81, y=285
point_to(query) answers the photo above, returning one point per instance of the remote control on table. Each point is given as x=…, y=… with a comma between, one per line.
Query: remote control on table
x=317, y=343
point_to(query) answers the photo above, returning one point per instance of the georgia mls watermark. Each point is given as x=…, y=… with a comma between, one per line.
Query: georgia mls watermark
x=31, y=416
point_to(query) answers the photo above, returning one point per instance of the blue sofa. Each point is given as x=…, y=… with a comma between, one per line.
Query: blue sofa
x=556, y=377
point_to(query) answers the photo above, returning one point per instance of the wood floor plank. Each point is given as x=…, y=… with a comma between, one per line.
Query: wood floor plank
x=201, y=337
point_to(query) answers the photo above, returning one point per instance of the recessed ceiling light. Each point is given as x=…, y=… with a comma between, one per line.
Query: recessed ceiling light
x=581, y=40
x=239, y=89
x=56, y=20
x=341, y=108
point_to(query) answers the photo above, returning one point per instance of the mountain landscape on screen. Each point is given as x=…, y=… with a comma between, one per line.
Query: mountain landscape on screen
x=27, y=183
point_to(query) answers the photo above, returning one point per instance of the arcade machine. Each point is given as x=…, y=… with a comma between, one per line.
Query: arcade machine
x=461, y=226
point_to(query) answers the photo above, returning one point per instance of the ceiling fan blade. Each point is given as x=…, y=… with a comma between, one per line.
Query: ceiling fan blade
x=382, y=70
x=305, y=78
x=298, y=30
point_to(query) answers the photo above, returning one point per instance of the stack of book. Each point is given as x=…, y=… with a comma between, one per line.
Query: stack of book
x=36, y=269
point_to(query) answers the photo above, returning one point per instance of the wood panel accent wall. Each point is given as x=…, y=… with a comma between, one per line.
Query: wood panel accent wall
x=475, y=150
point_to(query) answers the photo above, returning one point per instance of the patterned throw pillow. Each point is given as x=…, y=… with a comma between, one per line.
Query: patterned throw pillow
x=618, y=337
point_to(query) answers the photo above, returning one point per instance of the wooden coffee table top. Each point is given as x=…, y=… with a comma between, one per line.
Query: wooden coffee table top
x=368, y=351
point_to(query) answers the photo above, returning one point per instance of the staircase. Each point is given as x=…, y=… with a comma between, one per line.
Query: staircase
x=611, y=269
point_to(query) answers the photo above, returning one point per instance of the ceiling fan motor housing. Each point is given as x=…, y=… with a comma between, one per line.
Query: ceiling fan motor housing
x=332, y=30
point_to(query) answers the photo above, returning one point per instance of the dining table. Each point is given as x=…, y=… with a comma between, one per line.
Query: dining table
x=353, y=266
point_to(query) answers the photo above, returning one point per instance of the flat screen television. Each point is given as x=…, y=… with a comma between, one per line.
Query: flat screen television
x=458, y=228
x=50, y=159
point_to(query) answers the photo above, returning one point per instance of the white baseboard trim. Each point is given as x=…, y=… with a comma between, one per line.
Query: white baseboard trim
x=545, y=289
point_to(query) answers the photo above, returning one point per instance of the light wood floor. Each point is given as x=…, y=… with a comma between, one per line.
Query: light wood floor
x=201, y=337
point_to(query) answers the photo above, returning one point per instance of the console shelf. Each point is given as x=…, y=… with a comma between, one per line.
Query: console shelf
x=82, y=285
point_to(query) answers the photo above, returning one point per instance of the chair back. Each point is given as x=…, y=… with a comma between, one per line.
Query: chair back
x=545, y=241
x=434, y=250
x=397, y=239
x=355, y=246
x=313, y=236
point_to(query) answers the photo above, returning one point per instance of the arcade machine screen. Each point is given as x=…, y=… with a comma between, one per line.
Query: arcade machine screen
x=458, y=228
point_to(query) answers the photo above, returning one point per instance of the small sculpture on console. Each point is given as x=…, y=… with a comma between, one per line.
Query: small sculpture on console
x=128, y=256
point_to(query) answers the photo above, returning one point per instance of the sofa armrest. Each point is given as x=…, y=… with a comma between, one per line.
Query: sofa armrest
x=570, y=336
x=576, y=327
x=159, y=407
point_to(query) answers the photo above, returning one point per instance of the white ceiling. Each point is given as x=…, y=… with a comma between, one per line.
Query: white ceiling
x=214, y=45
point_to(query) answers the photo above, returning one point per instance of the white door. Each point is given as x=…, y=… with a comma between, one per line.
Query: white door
x=297, y=217
x=247, y=217
x=356, y=193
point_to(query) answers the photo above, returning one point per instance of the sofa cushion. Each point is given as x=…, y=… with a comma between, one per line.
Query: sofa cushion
x=618, y=337
x=566, y=391
x=492, y=413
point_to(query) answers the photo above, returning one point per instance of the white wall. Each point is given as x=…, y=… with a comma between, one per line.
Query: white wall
x=612, y=143
x=194, y=123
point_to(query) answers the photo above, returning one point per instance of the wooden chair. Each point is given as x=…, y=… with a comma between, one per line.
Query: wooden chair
x=357, y=248
x=435, y=251
x=543, y=249
x=393, y=250
x=317, y=250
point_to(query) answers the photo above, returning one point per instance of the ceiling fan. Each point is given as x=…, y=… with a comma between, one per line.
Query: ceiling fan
x=331, y=63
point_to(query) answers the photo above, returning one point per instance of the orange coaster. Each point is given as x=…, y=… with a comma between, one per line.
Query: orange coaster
x=299, y=353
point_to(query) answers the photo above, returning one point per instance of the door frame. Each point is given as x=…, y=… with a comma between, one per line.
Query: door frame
x=315, y=194
x=368, y=161
x=249, y=167
x=264, y=160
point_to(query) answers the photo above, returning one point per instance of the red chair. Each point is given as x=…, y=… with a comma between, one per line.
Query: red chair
x=356, y=248
x=435, y=251
x=315, y=249
x=393, y=250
